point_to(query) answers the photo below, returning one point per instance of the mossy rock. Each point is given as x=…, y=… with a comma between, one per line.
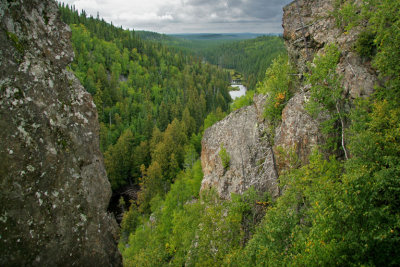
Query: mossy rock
x=16, y=42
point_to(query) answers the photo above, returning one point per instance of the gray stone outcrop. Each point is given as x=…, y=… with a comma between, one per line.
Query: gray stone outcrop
x=309, y=26
x=251, y=163
x=297, y=133
x=54, y=188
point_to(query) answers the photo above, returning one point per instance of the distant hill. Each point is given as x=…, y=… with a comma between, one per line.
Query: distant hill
x=147, y=35
x=250, y=57
x=153, y=36
x=217, y=36
x=248, y=53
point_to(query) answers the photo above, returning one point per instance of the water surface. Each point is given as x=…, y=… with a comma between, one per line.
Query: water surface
x=241, y=92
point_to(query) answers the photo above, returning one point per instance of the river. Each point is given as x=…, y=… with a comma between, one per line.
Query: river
x=241, y=92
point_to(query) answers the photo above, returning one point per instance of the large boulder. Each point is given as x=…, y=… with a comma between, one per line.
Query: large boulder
x=54, y=188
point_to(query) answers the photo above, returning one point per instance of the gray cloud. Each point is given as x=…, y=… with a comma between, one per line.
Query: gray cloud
x=180, y=16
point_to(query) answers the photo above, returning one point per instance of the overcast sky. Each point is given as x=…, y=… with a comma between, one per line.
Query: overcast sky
x=189, y=16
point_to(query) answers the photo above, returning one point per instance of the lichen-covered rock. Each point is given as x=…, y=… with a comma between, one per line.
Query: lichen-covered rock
x=308, y=26
x=259, y=101
x=251, y=159
x=298, y=132
x=54, y=189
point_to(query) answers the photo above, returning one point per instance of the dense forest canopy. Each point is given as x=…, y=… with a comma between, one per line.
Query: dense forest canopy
x=342, y=208
x=337, y=210
x=144, y=87
x=251, y=56
x=151, y=101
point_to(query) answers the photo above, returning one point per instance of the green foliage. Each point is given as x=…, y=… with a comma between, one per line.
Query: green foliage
x=325, y=83
x=225, y=157
x=151, y=184
x=243, y=101
x=334, y=213
x=212, y=118
x=191, y=156
x=252, y=205
x=286, y=158
x=250, y=57
x=278, y=84
x=138, y=86
x=193, y=230
x=372, y=181
x=384, y=21
x=195, y=141
x=365, y=45
x=150, y=243
x=169, y=148
x=119, y=159
x=16, y=42
x=236, y=76
x=326, y=94
x=331, y=212
x=130, y=221
x=218, y=232
x=345, y=14
x=381, y=35
x=282, y=235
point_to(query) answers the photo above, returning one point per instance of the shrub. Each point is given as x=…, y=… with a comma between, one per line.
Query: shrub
x=365, y=45
x=326, y=96
x=243, y=101
x=278, y=83
x=225, y=158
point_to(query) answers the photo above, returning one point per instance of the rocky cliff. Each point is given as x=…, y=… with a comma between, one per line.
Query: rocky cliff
x=308, y=27
x=54, y=189
x=243, y=136
x=255, y=159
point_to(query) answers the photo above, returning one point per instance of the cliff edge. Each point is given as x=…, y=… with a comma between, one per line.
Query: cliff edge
x=251, y=162
x=308, y=27
x=54, y=188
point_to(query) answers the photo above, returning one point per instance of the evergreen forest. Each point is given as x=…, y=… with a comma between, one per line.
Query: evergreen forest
x=250, y=57
x=151, y=101
x=154, y=103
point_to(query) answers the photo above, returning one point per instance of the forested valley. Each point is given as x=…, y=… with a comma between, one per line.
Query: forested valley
x=154, y=103
x=250, y=57
x=151, y=102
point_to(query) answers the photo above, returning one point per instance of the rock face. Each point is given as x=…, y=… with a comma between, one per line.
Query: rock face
x=254, y=162
x=309, y=26
x=251, y=160
x=54, y=189
x=298, y=131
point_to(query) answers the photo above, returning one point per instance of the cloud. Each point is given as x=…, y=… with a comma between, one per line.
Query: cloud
x=179, y=16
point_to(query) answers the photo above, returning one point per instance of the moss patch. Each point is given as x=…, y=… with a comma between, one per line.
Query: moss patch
x=16, y=42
